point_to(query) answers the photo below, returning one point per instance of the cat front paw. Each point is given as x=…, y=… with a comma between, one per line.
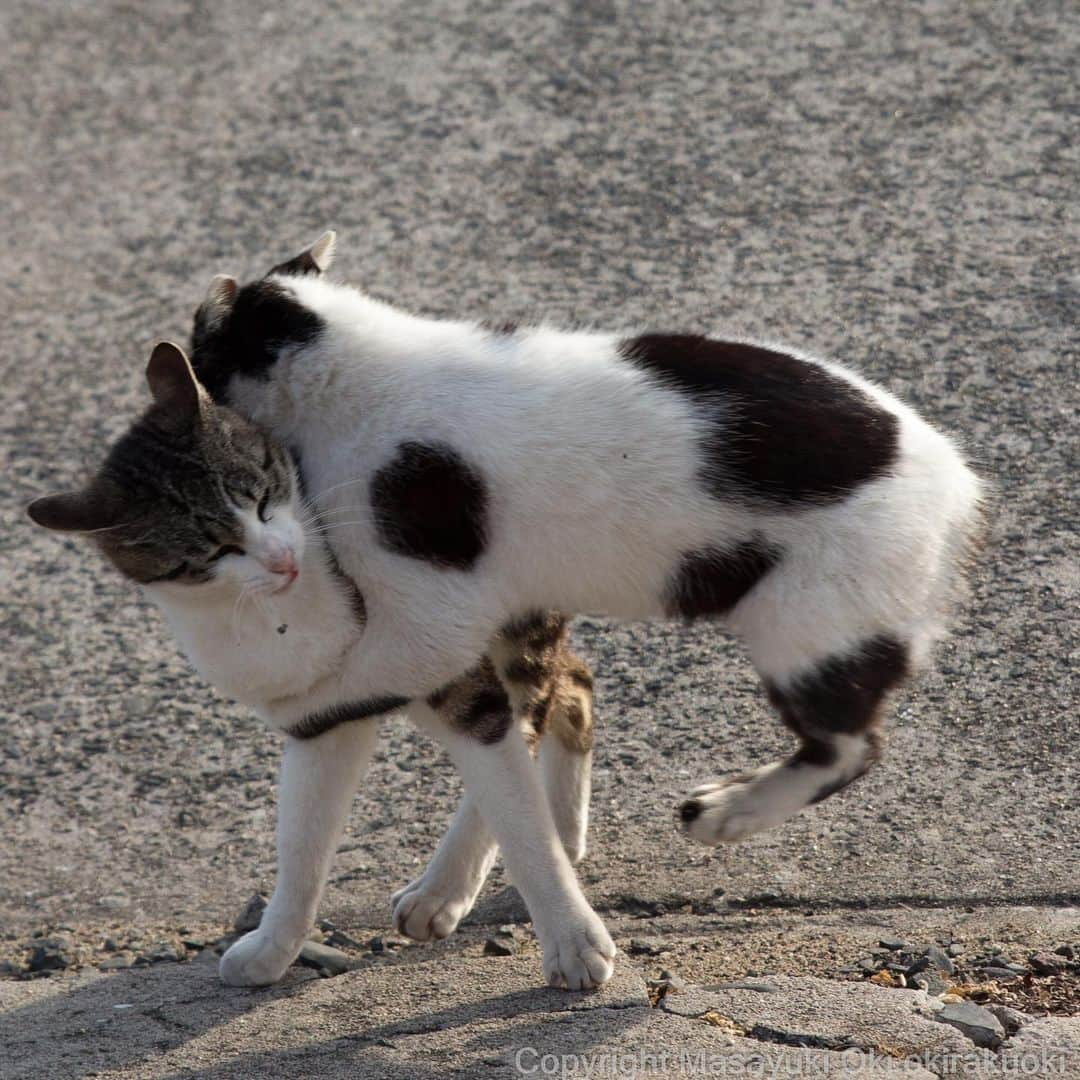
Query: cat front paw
x=579, y=955
x=255, y=960
x=426, y=913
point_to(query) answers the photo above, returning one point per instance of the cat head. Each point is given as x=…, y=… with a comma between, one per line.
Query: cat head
x=193, y=495
x=240, y=329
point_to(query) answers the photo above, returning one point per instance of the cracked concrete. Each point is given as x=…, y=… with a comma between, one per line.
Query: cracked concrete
x=486, y=1016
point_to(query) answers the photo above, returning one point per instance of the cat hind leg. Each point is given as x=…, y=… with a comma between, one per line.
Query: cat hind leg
x=835, y=709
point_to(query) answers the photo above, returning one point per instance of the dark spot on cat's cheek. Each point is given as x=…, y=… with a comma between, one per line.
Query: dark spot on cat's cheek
x=785, y=430
x=265, y=318
x=429, y=504
x=713, y=581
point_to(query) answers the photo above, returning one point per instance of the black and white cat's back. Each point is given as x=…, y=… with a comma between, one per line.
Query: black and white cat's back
x=686, y=476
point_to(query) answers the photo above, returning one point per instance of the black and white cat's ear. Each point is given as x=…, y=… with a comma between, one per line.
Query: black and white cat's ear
x=219, y=301
x=172, y=382
x=93, y=509
x=316, y=260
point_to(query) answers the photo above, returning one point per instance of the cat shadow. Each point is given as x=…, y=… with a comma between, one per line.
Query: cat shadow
x=121, y=1021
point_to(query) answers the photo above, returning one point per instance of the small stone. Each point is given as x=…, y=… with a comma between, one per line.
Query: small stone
x=955, y=950
x=940, y=959
x=980, y=1025
x=325, y=958
x=1067, y=951
x=499, y=947
x=117, y=962
x=869, y=964
x=112, y=945
x=893, y=944
x=998, y=974
x=1012, y=1020
x=339, y=939
x=645, y=947
x=379, y=944
x=161, y=952
x=1044, y=963
x=51, y=954
x=251, y=915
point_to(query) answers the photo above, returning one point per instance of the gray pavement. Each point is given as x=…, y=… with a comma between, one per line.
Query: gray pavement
x=891, y=184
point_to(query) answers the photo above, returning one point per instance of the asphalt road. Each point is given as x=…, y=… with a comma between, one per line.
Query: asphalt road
x=891, y=184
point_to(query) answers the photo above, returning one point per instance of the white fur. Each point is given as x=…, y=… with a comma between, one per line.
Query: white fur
x=318, y=780
x=592, y=470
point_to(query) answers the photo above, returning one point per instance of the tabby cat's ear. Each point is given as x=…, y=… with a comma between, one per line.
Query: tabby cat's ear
x=93, y=509
x=316, y=260
x=172, y=382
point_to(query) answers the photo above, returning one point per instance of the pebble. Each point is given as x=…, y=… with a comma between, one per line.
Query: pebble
x=251, y=915
x=940, y=959
x=997, y=974
x=1044, y=963
x=117, y=962
x=893, y=944
x=51, y=954
x=1012, y=1020
x=340, y=940
x=980, y=1025
x=326, y=958
x=161, y=952
x=645, y=947
x=499, y=947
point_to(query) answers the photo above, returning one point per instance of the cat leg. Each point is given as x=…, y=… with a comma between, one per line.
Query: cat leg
x=550, y=689
x=318, y=780
x=432, y=906
x=835, y=709
x=496, y=766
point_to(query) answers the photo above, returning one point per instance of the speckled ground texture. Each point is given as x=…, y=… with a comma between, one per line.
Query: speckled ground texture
x=889, y=184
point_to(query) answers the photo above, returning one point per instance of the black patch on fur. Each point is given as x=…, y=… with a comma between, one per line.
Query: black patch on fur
x=530, y=670
x=300, y=266
x=843, y=694
x=430, y=505
x=264, y=319
x=324, y=720
x=507, y=328
x=713, y=581
x=821, y=755
x=787, y=430
x=576, y=718
x=535, y=629
x=582, y=676
x=487, y=716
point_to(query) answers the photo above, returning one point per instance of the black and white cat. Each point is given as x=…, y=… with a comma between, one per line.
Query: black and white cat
x=483, y=477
